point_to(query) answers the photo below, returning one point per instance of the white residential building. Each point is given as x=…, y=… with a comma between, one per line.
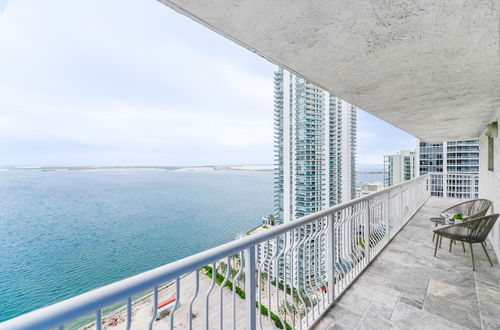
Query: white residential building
x=315, y=159
x=458, y=161
x=365, y=188
x=315, y=148
x=399, y=167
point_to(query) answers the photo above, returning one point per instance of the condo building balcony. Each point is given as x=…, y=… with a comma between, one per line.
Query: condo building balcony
x=405, y=287
x=429, y=68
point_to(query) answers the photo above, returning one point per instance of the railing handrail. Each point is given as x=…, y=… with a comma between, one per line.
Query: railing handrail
x=452, y=174
x=72, y=308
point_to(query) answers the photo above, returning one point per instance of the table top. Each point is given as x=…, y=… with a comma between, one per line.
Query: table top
x=438, y=220
x=442, y=220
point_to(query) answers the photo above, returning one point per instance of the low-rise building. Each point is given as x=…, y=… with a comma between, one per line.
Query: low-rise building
x=364, y=188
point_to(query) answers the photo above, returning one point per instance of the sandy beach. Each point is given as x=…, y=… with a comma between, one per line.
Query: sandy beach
x=142, y=309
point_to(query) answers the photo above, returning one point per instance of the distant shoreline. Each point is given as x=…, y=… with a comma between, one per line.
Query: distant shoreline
x=154, y=167
x=159, y=167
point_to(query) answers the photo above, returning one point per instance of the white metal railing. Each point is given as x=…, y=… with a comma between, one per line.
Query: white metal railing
x=286, y=276
x=455, y=185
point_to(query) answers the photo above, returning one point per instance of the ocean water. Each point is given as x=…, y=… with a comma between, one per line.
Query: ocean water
x=370, y=177
x=65, y=232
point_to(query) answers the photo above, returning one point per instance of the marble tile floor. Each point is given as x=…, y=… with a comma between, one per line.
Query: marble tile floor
x=407, y=288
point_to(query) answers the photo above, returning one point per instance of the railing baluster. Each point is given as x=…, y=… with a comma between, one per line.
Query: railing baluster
x=445, y=185
x=294, y=282
x=401, y=213
x=318, y=255
x=301, y=265
x=273, y=264
x=155, y=307
x=300, y=252
x=279, y=260
x=259, y=286
x=98, y=320
x=307, y=258
x=195, y=294
x=262, y=258
x=221, y=292
x=236, y=280
x=272, y=272
x=286, y=272
x=367, y=232
x=250, y=307
x=129, y=313
x=330, y=256
x=312, y=263
x=207, y=296
x=177, y=301
x=318, y=276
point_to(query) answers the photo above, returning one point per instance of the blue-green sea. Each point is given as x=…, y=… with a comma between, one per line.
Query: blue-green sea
x=65, y=232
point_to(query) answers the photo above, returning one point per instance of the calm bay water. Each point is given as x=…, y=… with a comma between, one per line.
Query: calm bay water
x=65, y=232
x=370, y=177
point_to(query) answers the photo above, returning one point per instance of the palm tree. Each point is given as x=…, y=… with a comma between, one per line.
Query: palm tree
x=288, y=306
x=292, y=309
x=271, y=219
x=222, y=267
x=263, y=277
x=282, y=310
x=241, y=277
x=235, y=260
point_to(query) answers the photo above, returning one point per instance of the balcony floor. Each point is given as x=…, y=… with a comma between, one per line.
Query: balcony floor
x=407, y=288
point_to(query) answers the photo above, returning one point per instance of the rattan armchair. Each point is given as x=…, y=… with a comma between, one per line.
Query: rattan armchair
x=470, y=231
x=469, y=209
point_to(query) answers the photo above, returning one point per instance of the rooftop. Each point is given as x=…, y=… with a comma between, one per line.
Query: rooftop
x=405, y=285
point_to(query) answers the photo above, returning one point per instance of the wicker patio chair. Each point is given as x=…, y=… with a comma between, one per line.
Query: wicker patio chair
x=470, y=231
x=469, y=209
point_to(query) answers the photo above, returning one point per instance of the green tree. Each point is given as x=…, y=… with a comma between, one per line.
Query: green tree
x=263, y=280
x=222, y=267
x=271, y=219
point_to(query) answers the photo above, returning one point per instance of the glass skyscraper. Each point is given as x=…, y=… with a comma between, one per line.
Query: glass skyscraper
x=399, y=167
x=453, y=158
x=315, y=163
x=315, y=148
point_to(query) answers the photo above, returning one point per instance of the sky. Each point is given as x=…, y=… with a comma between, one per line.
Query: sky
x=123, y=82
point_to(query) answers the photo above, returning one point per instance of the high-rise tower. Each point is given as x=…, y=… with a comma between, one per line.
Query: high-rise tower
x=315, y=165
x=454, y=159
x=399, y=167
x=315, y=148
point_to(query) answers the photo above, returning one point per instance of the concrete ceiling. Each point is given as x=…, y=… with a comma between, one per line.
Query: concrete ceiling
x=431, y=68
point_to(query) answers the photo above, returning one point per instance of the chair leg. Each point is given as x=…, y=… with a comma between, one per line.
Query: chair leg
x=472, y=255
x=436, y=249
x=486, y=252
x=434, y=235
x=451, y=242
x=440, y=241
x=463, y=245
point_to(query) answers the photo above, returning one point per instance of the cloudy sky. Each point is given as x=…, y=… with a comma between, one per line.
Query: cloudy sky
x=105, y=82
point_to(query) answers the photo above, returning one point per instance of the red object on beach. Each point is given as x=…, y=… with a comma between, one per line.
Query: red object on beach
x=166, y=302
